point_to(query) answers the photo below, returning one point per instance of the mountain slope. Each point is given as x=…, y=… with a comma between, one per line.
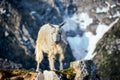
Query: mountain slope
x=108, y=54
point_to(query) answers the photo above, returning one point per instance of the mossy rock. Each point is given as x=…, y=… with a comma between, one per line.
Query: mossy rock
x=66, y=74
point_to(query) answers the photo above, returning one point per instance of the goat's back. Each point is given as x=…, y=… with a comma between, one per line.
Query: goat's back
x=44, y=40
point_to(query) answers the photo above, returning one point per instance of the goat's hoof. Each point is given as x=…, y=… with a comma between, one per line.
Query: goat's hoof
x=53, y=69
x=61, y=68
x=37, y=70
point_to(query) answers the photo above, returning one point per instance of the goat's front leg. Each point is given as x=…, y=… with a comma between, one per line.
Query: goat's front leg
x=61, y=60
x=51, y=58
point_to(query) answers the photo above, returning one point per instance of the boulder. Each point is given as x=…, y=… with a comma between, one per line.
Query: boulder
x=50, y=75
x=84, y=69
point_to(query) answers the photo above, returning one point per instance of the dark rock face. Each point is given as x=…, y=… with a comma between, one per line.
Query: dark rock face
x=107, y=58
x=13, y=45
x=9, y=64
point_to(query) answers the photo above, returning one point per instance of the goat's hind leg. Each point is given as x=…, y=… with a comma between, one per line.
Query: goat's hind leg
x=39, y=58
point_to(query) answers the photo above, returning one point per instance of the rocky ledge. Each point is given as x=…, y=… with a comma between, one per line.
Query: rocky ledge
x=78, y=70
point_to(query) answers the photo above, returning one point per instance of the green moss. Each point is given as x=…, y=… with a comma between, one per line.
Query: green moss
x=69, y=73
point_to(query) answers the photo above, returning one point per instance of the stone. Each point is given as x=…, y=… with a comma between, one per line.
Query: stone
x=40, y=76
x=83, y=69
x=50, y=75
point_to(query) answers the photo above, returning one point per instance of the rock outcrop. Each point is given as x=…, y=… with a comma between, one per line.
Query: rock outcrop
x=85, y=70
x=79, y=70
x=50, y=75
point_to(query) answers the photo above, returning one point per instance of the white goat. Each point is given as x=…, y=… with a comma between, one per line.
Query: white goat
x=50, y=40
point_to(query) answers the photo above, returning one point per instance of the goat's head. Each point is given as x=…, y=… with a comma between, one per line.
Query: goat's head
x=57, y=32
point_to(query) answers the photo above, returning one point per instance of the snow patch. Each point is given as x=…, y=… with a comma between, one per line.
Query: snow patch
x=112, y=6
x=70, y=25
x=104, y=9
x=79, y=46
x=32, y=12
x=117, y=14
x=83, y=19
x=83, y=46
x=2, y=11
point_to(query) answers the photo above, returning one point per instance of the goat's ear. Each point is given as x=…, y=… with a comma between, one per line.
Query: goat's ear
x=62, y=24
x=51, y=25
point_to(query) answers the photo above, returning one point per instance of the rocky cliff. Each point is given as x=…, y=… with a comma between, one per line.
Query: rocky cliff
x=107, y=58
